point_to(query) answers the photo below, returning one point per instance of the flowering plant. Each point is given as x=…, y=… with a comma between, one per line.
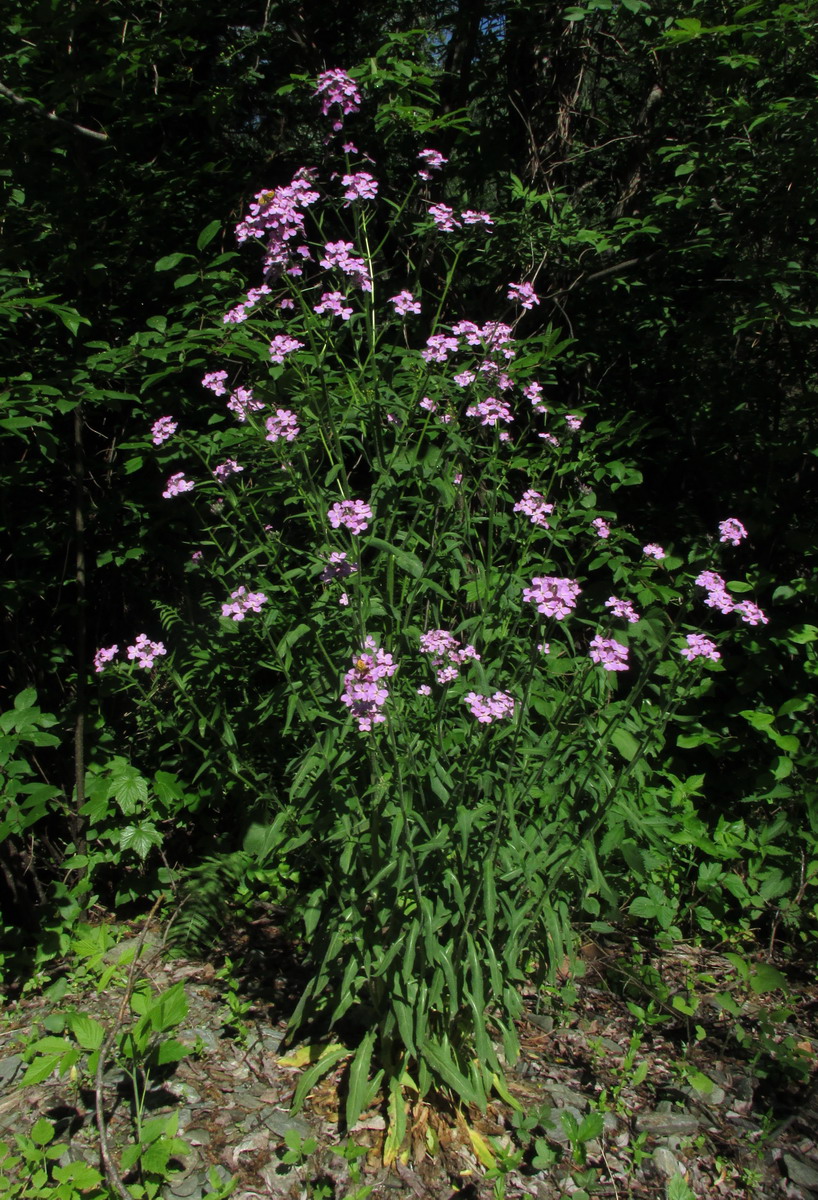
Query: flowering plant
x=457, y=714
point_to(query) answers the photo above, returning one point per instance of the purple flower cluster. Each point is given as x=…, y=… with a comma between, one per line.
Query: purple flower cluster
x=239, y=313
x=283, y=425
x=732, y=531
x=535, y=508
x=533, y=392
x=432, y=160
x=177, y=484
x=333, y=302
x=354, y=515
x=699, y=646
x=470, y=217
x=490, y=708
x=339, y=254
x=360, y=186
x=438, y=348
x=163, y=429
x=751, y=614
x=215, y=382
x=242, y=403
x=242, y=602
x=443, y=216
x=405, y=304
x=277, y=216
x=622, y=608
x=610, y=654
x=364, y=691
x=103, y=656
x=281, y=345
x=524, y=294
x=654, y=551
x=338, y=567
x=490, y=411
x=224, y=470
x=337, y=89
x=447, y=653
x=602, y=527
x=573, y=423
x=717, y=594
x=553, y=596
x=145, y=651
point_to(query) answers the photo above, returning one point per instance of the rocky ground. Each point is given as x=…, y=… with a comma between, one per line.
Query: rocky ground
x=664, y=1088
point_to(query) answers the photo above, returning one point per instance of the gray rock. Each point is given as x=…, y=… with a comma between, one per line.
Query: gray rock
x=10, y=1068
x=197, y=1137
x=190, y=1036
x=667, y=1124
x=666, y=1162
x=149, y=941
x=184, y=1091
x=557, y=1133
x=267, y=1039
x=279, y=1122
x=189, y=1187
x=564, y=1096
x=800, y=1172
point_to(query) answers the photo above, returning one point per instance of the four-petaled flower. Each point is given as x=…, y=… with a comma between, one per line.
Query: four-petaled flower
x=699, y=646
x=283, y=425
x=490, y=708
x=282, y=345
x=622, y=608
x=355, y=515
x=177, y=484
x=337, y=88
x=553, y=596
x=163, y=429
x=360, y=186
x=405, y=304
x=103, y=656
x=654, y=551
x=535, y=508
x=732, y=531
x=145, y=651
x=433, y=160
x=242, y=602
x=333, y=302
x=610, y=654
x=524, y=294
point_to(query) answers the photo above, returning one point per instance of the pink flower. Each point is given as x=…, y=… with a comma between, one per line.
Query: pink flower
x=533, y=392
x=355, y=515
x=573, y=423
x=424, y=690
x=438, y=348
x=224, y=470
x=343, y=600
x=360, y=186
x=490, y=708
x=465, y=378
x=239, y=313
x=338, y=567
x=447, y=653
x=349, y=148
x=602, y=527
x=176, y=485
x=196, y=556
x=338, y=254
x=337, y=88
x=241, y=403
x=490, y=411
x=699, y=646
x=145, y=651
x=282, y=345
x=104, y=656
x=242, y=602
x=428, y=405
x=364, y=691
x=553, y=596
x=405, y=304
x=535, y=508
x=549, y=437
x=524, y=293
x=443, y=217
x=717, y=594
x=215, y=382
x=470, y=217
x=654, y=551
x=276, y=217
x=333, y=302
x=433, y=160
x=732, y=531
x=283, y=425
x=163, y=429
x=751, y=614
x=610, y=654
x=622, y=608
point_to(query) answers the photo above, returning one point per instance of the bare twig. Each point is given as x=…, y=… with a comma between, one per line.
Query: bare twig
x=41, y=111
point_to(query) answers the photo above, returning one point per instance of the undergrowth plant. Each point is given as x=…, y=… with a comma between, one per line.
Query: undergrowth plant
x=410, y=578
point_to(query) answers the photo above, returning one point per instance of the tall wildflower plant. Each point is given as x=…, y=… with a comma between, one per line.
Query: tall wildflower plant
x=474, y=663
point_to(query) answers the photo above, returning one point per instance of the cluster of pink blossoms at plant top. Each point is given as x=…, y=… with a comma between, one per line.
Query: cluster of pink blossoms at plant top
x=281, y=345
x=360, y=186
x=719, y=597
x=334, y=302
x=354, y=515
x=276, y=215
x=447, y=653
x=405, y=304
x=553, y=596
x=470, y=217
x=602, y=527
x=103, y=656
x=336, y=89
x=491, y=411
x=699, y=646
x=574, y=423
x=176, y=485
x=732, y=531
x=338, y=567
x=339, y=254
x=535, y=508
x=242, y=602
x=242, y=403
x=524, y=294
x=145, y=651
x=622, y=608
x=239, y=313
x=609, y=653
x=163, y=429
x=433, y=160
x=224, y=470
x=653, y=551
x=490, y=708
x=214, y=380
x=283, y=425
x=364, y=691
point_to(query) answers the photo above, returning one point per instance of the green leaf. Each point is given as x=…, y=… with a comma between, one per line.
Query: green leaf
x=625, y=743
x=207, y=235
x=766, y=978
x=170, y=261
x=88, y=1032
x=358, y=1093
x=327, y=1059
x=439, y=1058
x=42, y=1132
